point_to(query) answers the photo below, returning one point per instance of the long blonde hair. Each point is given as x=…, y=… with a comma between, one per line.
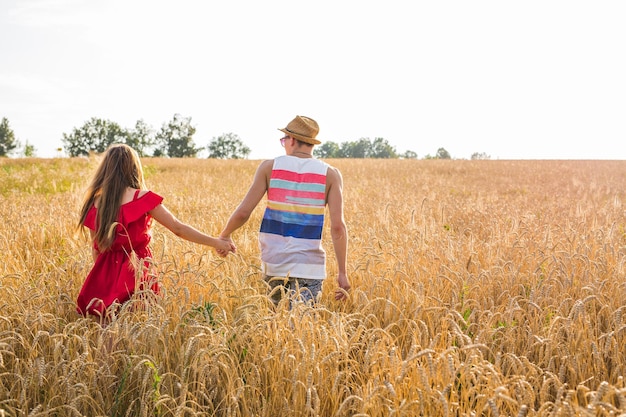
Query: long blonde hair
x=120, y=169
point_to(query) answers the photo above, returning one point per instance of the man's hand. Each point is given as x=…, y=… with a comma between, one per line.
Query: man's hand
x=344, y=287
x=224, y=252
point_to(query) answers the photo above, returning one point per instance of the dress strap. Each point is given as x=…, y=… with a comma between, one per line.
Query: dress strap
x=136, y=194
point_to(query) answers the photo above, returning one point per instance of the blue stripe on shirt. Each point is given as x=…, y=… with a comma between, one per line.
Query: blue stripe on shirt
x=294, y=218
x=291, y=230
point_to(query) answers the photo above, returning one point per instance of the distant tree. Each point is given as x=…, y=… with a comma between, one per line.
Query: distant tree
x=141, y=138
x=443, y=154
x=228, y=146
x=327, y=150
x=94, y=136
x=362, y=148
x=175, y=139
x=409, y=155
x=380, y=148
x=481, y=155
x=7, y=138
x=29, y=150
x=357, y=149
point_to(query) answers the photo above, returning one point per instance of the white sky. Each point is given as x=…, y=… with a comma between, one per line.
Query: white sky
x=532, y=79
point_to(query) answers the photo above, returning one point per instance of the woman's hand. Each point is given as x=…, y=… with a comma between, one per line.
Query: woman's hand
x=225, y=245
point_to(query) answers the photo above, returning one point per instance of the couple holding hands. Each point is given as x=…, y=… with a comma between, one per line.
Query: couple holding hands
x=118, y=210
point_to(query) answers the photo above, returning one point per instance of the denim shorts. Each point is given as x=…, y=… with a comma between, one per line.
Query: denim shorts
x=298, y=289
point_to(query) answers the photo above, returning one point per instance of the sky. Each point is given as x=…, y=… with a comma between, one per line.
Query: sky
x=533, y=79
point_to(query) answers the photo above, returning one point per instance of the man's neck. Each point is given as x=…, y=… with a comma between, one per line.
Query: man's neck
x=301, y=154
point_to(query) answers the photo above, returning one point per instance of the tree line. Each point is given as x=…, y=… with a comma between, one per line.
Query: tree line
x=175, y=140
x=362, y=148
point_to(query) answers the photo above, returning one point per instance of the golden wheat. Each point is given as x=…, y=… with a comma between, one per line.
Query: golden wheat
x=492, y=288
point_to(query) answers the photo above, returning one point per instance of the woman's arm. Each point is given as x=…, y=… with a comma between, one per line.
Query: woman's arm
x=162, y=215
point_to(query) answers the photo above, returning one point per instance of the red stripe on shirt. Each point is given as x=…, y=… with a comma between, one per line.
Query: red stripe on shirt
x=280, y=194
x=295, y=177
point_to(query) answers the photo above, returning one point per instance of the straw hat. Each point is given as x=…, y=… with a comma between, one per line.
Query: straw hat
x=304, y=129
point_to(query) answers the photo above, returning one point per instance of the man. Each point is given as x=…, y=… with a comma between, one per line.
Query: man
x=298, y=187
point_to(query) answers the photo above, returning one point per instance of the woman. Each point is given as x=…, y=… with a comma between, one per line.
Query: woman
x=118, y=210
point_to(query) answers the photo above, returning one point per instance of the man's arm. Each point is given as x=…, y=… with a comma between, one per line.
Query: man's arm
x=338, y=229
x=256, y=192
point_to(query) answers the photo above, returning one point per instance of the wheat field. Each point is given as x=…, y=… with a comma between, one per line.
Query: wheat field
x=480, y=288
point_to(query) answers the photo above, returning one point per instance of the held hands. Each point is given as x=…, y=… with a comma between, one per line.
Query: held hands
x=224, y=246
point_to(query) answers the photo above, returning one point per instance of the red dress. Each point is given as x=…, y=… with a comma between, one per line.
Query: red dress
x=112, y=278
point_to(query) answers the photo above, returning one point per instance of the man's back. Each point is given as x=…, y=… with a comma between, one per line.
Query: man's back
x=291, y=230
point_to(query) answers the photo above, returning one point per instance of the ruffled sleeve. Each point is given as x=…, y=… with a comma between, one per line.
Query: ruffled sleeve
x=90, y=219
x=137, y=208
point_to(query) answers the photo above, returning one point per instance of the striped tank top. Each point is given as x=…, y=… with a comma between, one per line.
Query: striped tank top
x=291, y=230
